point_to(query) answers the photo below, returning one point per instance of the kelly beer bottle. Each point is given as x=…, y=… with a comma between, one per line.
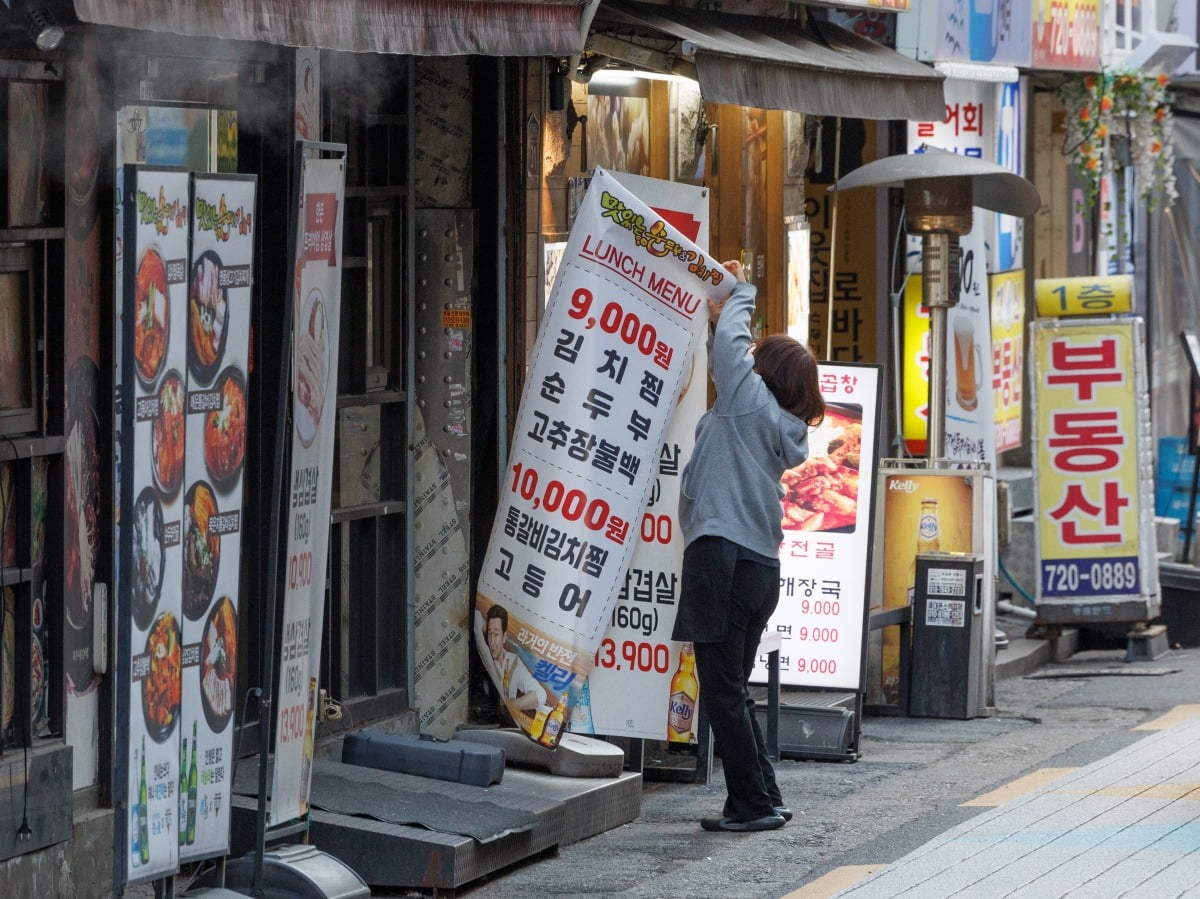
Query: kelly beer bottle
x=684, y=691
x=928, y=540
x=554, y=723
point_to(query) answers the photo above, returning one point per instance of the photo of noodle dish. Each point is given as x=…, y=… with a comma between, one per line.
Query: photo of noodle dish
x=201, y=550
x=225, y=431
x=149, y=557
x=821, y=493
x=312, y=366
x=167, y=435
x=151, y=317
x=208, y=317
x=218, y=664
x=162, y=685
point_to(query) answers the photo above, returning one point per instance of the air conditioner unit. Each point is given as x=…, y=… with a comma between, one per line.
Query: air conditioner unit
x=1160, y=51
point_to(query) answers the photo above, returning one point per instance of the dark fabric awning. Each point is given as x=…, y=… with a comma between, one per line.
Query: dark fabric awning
x=419, y=27
x=819, y=69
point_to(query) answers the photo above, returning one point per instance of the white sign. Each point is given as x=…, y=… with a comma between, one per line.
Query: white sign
x=218, y=311
x=826, y=538
x=316, y=304
x=970, y=432
x=614, y=352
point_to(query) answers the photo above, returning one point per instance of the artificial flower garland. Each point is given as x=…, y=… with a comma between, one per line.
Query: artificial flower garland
x=1122, y=104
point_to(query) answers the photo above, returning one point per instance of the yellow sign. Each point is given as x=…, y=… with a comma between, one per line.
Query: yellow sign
x=1084, y=296
x=456, y=318
x=1008, y=355
x=1086, y=422
x=914, y=367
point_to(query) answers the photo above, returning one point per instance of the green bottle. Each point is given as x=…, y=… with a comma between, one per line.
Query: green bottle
x=181, y=799
x=143, y=825
x=191, y=793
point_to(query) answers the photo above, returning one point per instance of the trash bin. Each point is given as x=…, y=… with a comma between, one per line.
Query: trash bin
x=946, y=659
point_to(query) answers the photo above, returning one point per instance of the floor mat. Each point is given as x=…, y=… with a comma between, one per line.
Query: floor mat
x=483, y=821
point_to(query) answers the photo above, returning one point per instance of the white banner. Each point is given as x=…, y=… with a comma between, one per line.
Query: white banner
x=627, y=693
x=153, y=424
x=827, y=509
x=970, y=401
x=316, y=304
x=218, y=328
x=615, y=350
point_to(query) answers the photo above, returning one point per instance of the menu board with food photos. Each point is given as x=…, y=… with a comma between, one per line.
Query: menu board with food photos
x=151, y=398
x=218, y=342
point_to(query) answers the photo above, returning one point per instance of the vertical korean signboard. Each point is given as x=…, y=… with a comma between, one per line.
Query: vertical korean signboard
x=825, y=556
x=153, y=390
x=624, y=695
x=218, y=341
x=614, y=353
x=1095, y=526
x=316, y=306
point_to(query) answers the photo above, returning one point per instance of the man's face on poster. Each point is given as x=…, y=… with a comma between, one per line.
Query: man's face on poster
x=495, y=639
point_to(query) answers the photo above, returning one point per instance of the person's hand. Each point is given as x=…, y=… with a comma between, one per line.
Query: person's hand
x=735, y=268
x=714, y=310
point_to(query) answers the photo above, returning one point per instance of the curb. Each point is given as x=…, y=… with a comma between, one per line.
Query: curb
x=1025, y=654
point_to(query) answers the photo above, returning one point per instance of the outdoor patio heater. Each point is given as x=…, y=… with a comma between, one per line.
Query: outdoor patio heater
x=940, y=191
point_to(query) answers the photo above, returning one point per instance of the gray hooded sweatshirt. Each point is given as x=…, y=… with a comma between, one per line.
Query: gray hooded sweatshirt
x=744, y=444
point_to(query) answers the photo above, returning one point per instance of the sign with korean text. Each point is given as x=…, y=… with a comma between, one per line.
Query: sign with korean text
x=1093, y=501
x=1008, y=356
x=628, y=692
x=984, y=31
x=825, y=557
x=613, y=354
x=969, y=124
x=316, y=317
x=218, y=317
x=153, y=390
x=1098, y=295
x=1066, y=35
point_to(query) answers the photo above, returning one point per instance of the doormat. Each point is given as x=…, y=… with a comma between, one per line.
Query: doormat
x=483, y=821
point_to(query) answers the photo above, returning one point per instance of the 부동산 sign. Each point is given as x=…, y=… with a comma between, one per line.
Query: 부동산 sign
x=626, y=312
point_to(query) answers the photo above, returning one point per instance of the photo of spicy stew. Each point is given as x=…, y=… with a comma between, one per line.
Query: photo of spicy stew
x=225, y=431
x=201, y=550
x=821, y=493
x=163, y=683
x=167, y=435
x=151, y=316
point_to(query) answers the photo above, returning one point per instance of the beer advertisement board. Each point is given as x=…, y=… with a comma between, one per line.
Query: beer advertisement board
x=1093, y=501
x=316, y=317
x=825, y=557
x=1008, y=356
x=614, y=352
x=153, y=386
x=621, y=697
x=218, y=343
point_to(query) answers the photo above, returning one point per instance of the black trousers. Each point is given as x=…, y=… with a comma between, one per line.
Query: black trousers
x=723, y=583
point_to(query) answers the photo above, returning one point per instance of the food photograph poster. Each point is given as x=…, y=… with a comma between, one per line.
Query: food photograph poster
x=150, y=653
x=218, y=341
x=626, y=313
x=316, y=306
x=825, y=555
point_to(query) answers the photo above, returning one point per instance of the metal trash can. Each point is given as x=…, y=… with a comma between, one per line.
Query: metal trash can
x=947, y=655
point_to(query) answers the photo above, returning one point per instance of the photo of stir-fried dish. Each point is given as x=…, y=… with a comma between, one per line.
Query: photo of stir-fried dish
x=149, y=557
x=163, y=682
x=201, y=550
x=225, y=431
x=151, y=317
x=208, y=316
x=167, y=436
x=218, y=664
x=312, y=367
x=821, y=493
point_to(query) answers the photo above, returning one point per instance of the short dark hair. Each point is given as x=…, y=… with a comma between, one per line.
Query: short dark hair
x=501, y=613
x=790, y=373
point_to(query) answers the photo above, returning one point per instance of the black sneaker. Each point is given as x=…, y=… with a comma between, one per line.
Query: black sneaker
x=766, y=822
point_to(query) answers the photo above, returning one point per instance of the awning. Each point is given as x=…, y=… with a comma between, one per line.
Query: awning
x=418, y=27
x=819, y=69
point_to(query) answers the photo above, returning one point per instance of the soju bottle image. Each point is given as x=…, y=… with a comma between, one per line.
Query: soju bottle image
x=143, y=823
x=181, y=804
x=191, y=793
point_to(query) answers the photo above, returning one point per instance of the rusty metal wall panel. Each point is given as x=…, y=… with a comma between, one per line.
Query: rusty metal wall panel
x=442, y=466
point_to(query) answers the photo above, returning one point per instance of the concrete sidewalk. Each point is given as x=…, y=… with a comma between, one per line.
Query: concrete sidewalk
x=1126, y=825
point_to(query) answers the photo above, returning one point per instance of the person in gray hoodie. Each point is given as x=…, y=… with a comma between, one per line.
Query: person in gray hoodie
x=767, y=396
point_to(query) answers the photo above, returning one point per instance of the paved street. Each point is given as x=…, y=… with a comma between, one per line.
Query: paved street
x=1058, y=794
